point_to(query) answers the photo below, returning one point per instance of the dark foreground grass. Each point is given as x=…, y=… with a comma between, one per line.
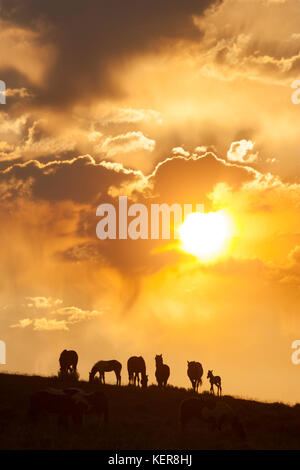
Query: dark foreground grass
x=140, y=419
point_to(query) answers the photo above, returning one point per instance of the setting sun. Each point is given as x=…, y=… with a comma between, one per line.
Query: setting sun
x=206, y=235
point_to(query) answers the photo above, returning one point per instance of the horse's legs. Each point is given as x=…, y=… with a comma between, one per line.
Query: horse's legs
x=118, y=377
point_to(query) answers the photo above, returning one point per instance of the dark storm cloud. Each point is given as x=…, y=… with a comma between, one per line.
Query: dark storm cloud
x=80, y=180
x=189, y=180
x=93, y=35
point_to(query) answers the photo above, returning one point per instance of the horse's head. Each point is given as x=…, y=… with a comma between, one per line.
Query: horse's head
x=158, y=359
x=91, y=377
x=209, y=374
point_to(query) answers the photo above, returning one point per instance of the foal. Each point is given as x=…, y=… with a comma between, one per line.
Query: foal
x=214, y=380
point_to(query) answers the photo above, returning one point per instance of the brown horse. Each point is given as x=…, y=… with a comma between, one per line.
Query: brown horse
x=136, y=366
x=106, y=366
x=68, y=361
x=162, y=372
x=195, y=372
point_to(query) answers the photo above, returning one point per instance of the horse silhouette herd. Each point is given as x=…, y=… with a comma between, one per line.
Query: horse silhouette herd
x=136, y=368
x=71, y=404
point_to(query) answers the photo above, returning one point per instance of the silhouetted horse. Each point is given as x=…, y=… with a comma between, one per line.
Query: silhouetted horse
x=69, y=404
x=53, y=401
x=210, y=410
x=162, y=372
x=96, y=402
x=195, y=372
x=136, y=366
x=68, y=361
x=214, y=380
x=106, y=366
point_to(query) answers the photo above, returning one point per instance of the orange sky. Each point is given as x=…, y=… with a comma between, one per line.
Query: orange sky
x=174, y=102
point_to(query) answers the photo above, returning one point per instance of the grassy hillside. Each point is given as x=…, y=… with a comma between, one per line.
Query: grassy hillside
x=141, y=419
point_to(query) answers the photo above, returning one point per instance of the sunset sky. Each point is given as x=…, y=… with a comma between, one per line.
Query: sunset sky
x=170, y=101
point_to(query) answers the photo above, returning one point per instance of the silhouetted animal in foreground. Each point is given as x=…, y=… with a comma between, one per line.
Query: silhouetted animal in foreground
x=162, y=372
x=195, y=372
x=93, y=402
x=214, y=380
x=136, y=366
x=69, y=405
x=210, y=410
x=68, y=361
x=106, y=366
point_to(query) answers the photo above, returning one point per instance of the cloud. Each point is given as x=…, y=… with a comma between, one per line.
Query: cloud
x=101, y=38
x=71, y=315
x=22, y=323
x=43, y=324
x=80, y=180
x=76, y=315
x=190, y=180
x=42, y=302
x=129, y=115
x=239, y=152
x=289, y=272
x=125, y=143
x=180, y=151
x=232, y=49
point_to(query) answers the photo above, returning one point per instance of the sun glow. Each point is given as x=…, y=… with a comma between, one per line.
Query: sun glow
x=206, y=235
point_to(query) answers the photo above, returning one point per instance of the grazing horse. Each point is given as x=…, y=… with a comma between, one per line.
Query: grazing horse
x=214, y=380
x=55, y=401
x=68, y=361
x=106, y=366
x=136, y=366
x=210, y=410
x=162, y=372
x=68, y=404
x=195, y=372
